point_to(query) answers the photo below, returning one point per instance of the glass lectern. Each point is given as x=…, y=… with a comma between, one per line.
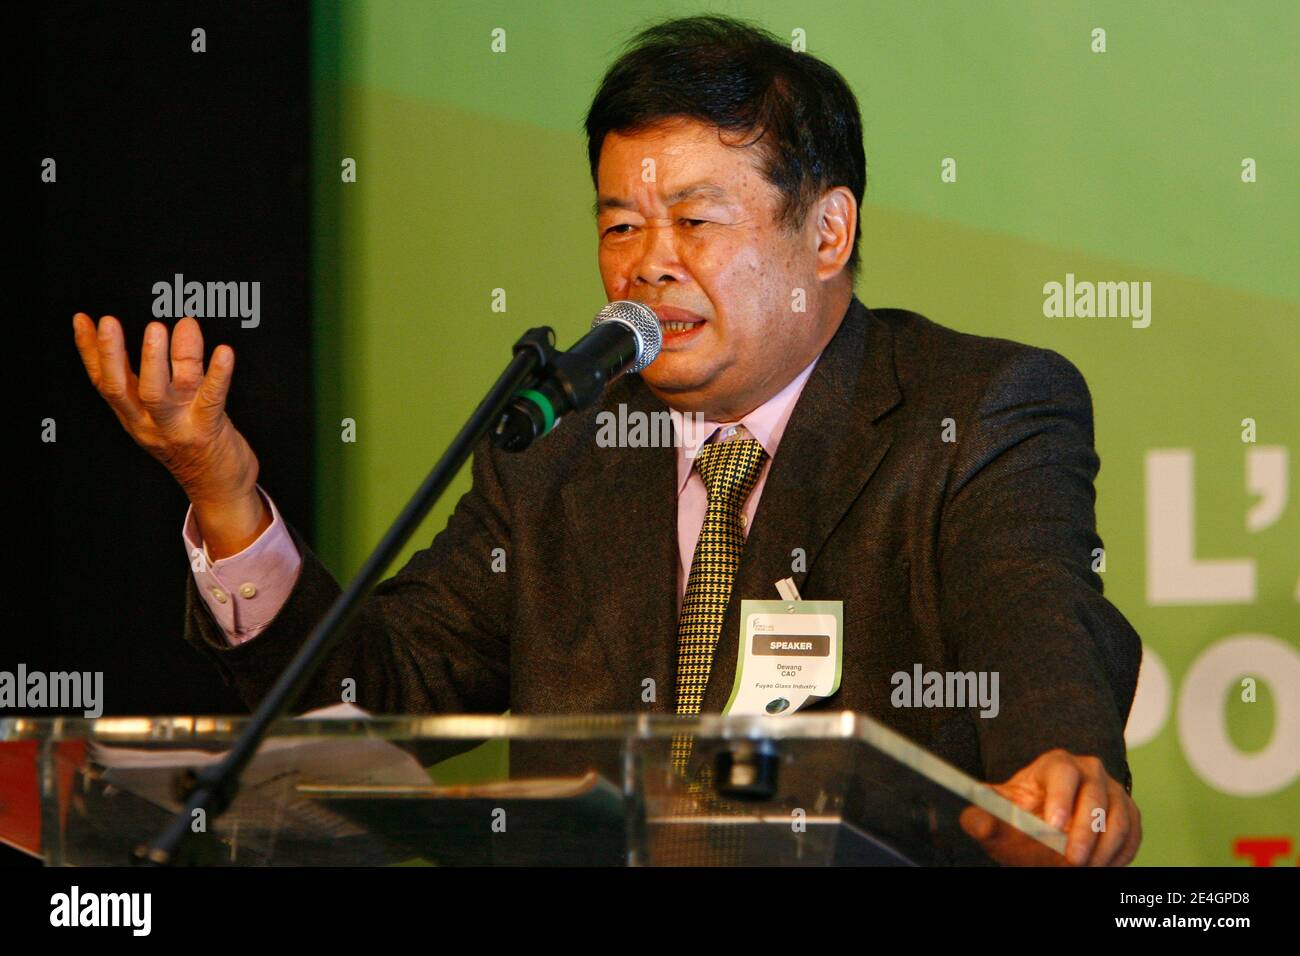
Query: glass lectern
x=348, y=789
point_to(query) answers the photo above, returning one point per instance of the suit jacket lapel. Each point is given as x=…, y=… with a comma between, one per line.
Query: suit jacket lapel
x=621, y=506
x=831, y=446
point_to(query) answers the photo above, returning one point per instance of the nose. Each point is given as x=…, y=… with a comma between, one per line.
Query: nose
x=658, y=262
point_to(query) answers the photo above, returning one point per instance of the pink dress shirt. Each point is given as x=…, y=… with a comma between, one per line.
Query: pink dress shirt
x=766, y=424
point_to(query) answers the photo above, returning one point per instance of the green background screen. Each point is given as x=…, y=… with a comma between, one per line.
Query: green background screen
x=1168, y=158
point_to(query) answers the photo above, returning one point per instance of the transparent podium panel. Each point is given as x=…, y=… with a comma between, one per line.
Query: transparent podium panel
x=340, y=788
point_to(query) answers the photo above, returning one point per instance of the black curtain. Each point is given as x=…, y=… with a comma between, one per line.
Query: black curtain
x=168, y=161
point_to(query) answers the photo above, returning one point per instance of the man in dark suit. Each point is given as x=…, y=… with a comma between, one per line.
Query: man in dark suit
x=939, y=484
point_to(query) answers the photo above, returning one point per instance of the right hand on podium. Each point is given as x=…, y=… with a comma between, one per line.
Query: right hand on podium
x=178, y=415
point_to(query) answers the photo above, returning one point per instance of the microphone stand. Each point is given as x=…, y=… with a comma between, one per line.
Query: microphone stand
x=210, y=791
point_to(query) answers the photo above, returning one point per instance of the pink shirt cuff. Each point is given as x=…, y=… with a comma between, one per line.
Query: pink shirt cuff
x=246, y=590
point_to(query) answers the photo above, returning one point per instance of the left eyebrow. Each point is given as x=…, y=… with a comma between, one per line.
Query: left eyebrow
x=693, y=191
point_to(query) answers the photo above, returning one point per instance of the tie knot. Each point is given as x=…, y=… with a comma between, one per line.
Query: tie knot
x=730, y=469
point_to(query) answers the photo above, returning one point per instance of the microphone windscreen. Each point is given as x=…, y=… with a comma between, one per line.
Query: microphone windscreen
x=643, y=322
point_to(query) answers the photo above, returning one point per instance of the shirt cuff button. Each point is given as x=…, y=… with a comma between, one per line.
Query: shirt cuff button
x=247, y=589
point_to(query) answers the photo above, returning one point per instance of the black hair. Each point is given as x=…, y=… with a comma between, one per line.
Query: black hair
x=740, y=78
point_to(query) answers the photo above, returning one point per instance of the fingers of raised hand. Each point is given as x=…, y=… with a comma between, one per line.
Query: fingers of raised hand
x=155, y=375
x=103, y=352
x=210, y=401
x=83, y=331
x=187, y=357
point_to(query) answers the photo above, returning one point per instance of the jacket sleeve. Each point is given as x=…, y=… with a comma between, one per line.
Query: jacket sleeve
x=1019, y=596
x=434, y=638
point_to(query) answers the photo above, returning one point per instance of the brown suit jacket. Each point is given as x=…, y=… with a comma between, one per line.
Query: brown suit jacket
x=973, y=555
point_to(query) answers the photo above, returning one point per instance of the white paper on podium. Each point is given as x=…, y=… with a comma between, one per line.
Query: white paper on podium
x=267, y=790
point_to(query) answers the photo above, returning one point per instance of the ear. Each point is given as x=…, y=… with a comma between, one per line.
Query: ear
x=836, y=216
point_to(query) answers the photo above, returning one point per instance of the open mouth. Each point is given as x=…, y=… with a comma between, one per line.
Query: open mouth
x=676, y=324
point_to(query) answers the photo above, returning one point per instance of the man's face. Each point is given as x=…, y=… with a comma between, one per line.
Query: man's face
x=687, y=226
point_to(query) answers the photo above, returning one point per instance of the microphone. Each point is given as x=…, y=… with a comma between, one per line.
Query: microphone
x=624, y=337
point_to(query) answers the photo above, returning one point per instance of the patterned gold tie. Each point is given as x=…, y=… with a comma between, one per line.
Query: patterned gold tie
x=730, y=470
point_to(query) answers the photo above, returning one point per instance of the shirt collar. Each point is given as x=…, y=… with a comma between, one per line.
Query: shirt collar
x=765, y=423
